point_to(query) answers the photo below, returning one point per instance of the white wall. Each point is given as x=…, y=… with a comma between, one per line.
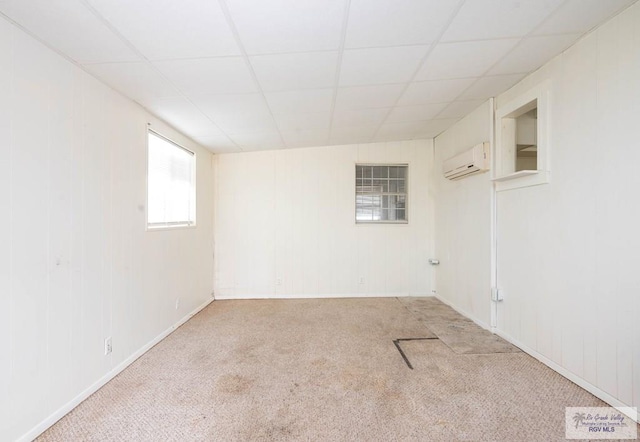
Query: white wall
x=463, y=221
x=76, y=264
x=289, y=215
x=569, y=251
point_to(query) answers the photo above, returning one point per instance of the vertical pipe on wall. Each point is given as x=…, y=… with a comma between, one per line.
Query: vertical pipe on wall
x=494, y=220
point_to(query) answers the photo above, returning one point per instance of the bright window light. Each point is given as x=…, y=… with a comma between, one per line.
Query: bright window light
x=171, y=186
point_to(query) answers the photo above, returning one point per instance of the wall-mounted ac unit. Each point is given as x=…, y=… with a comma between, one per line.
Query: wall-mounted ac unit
x=472, y=161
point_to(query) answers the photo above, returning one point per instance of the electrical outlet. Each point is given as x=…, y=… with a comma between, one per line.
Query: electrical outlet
x=362, y=280
x=278, y=281
x=177, y=303
x=108, y=347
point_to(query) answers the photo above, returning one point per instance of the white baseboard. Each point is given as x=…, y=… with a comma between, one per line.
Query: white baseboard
x=620, y=406
x=597, y=392
x=227, y=296
x=66, y=408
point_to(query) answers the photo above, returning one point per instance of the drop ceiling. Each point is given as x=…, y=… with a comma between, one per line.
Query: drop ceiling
x=241, y=75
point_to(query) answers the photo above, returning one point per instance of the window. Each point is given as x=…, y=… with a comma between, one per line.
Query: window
x=381, y=193
x=171, y=185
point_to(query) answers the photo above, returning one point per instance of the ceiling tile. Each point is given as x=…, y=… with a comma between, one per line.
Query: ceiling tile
x=246, y=124
x=460, y=60
x=419, y=112
x=532, y=53
x=579, y=16
x=237, y=113
x=218, y=144
x=413, y=130
x=307, y=100
x=71, y=28
x=398, y=131
x=184, y=116
x=362, y=67
x=236, y=104
x=459, y=109
x=304, y=138
x=359, y=117
x=293, y=122
x=137, y=80
x=435, y=91
x=433, y=128
x=170, y=29
x=268, y=27
x=352, y=134
x=487, y=87
x=374, y=23
x=362, y=97
x=487, y=19
x=258, y=140
x=295, y=71
x=229, y=75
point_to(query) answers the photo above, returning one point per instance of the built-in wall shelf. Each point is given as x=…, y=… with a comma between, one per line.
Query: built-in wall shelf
x=522, y=178
x=516, y=175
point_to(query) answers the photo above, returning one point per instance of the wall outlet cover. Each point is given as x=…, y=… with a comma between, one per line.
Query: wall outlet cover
x=108, y=347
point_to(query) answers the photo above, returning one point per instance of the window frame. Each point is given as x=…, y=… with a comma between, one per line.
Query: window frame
x=175, y=225
x=405, y=193
x=513, y=109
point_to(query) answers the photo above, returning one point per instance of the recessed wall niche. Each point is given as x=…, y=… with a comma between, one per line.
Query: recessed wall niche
x=521, y=155
x=526, y=141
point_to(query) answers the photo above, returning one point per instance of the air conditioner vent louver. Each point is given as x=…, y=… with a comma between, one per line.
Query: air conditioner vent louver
x=470, y=162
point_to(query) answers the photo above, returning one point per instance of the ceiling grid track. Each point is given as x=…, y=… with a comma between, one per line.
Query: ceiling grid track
x=245, y=56
x=245, y=75
x=336, y=79
x=484, y=74
x=148, y=62
x=422, y=62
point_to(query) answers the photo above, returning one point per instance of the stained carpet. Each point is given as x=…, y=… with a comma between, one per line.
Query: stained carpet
x=460, y=334
x=321, y=370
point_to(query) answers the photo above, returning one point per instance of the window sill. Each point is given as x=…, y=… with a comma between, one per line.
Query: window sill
x=516, y=175
x=522, y=178
x=380, y=222
x=169, y=227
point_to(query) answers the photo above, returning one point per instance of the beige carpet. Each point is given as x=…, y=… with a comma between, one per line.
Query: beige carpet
x=321, y=370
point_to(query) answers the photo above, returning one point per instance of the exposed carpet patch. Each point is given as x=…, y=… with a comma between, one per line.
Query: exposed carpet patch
x=461, y=334
x=325, y=369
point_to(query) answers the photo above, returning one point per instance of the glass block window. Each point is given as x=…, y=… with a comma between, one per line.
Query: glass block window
x=381, y=193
